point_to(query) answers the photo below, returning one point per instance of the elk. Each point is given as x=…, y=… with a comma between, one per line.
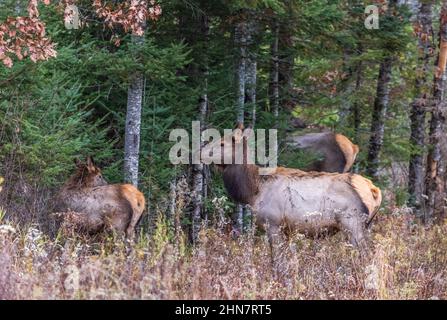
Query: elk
x=337, y=152
x=294, y=200
x=92, y=205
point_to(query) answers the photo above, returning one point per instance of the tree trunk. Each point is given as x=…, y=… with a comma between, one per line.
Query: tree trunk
x=418, y=107
x=356, y=105
x=133, y=123
x=378, y=117
x=380, y=109
x=250, y=99
x=250, y=88
x=274, y=73
x=286, y=63
x=198, y=177
x=435, y=203
x=347, y=87
x=199, y=184
x=172, y=207
x=274, y=98
x=244, y=34
x=240, y=39
x=251, y=66
x=250, y=94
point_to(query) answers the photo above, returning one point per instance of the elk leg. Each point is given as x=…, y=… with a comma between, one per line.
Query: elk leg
x=133, y=224
x=116, y=220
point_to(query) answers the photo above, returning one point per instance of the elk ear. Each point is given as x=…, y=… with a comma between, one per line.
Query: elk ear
x=248, y=130
x=90, y=164
x=240, y=126
x=356, y=150
x=248, y=133
x=238, y=134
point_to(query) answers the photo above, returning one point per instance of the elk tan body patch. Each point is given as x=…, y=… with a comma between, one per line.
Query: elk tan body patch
x=348, y=149
x=370, y=195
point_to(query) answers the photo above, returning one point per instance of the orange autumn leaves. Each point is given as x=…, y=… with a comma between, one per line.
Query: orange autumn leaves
x=131, y=15
x=25, y=36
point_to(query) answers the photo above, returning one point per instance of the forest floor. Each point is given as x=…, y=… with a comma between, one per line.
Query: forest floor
x=406, y=261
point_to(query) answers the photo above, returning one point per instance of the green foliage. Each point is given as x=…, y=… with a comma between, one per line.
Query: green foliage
x=75, y=105
x=296, y=158
x=51, y=127
x=276, y=5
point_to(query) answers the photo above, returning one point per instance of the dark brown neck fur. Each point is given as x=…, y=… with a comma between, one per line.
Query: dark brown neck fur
x=79, y=180
x=241, y=182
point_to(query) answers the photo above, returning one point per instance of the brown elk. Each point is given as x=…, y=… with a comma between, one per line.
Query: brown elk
x=294, y=200
x=93, y=205
x=337, y=152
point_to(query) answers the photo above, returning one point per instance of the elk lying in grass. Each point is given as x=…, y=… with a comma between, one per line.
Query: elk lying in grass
x=294, y=200
x=337, y=152
x=92, y=205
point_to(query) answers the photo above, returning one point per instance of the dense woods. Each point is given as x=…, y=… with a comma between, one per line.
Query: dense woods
x=116, y=85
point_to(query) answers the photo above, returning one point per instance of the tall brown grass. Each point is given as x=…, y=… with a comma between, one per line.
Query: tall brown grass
x=406, y=261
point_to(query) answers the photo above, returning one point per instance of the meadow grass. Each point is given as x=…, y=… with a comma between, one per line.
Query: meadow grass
x=405, y=261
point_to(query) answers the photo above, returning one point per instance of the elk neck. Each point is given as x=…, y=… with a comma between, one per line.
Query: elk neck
x=242, y=182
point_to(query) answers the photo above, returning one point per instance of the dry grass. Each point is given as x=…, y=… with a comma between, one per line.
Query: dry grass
x=407, y=261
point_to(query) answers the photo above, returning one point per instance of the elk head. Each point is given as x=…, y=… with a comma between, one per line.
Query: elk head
x=232, y=148
x=87, y=175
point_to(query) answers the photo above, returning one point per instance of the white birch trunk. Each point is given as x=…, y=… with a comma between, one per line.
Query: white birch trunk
x=199, y=184
x=133, y=124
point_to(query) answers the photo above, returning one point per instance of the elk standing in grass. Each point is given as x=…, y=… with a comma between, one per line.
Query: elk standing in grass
x=337, y=152
x=93, y=205
x=294, y=200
